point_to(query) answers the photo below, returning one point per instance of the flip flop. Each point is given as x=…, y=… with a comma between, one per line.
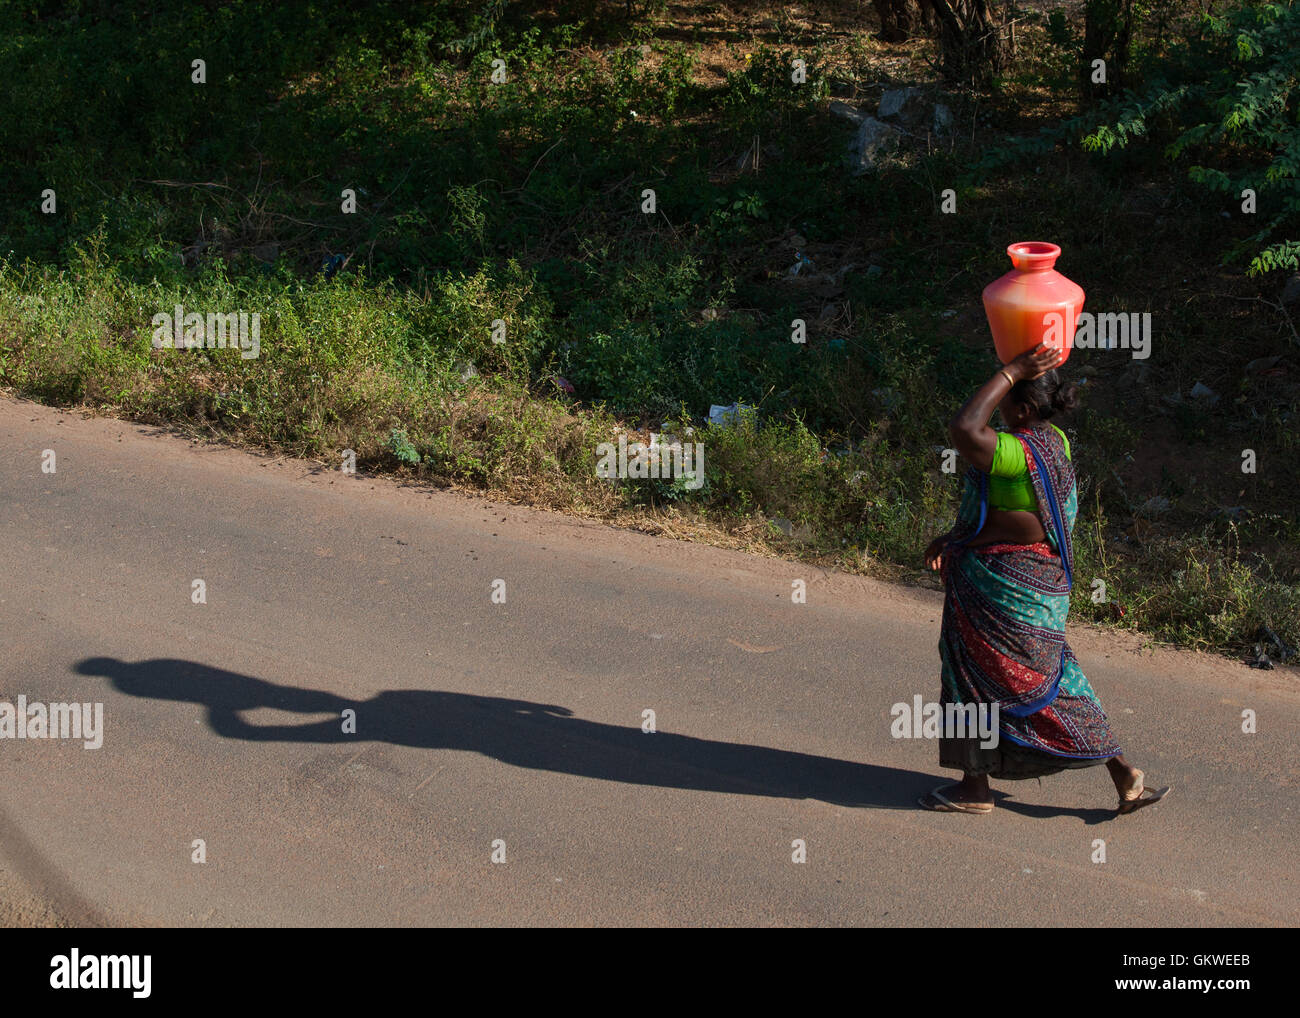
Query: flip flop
x=1145, y=796
x=942, y=804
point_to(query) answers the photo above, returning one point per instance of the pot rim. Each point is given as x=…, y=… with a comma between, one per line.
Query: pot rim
x=1033, y=255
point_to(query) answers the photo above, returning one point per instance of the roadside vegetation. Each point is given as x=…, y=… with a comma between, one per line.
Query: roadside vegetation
x=520, y=202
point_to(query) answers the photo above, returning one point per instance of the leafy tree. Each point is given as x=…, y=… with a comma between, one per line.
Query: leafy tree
x=1229, y=98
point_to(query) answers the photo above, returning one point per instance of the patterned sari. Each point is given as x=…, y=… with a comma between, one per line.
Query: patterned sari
x=1003, y=635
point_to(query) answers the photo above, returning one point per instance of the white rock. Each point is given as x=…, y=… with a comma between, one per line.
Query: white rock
x=873, y=139
x=848, y=112
x=907, y=105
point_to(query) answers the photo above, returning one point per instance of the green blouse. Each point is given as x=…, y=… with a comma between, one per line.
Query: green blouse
x=1009, y=483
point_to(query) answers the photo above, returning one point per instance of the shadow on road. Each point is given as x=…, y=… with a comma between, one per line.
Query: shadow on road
x=538, y=736
x=1091, y=817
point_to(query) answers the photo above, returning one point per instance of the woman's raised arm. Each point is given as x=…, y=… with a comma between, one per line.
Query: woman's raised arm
x=969, y=431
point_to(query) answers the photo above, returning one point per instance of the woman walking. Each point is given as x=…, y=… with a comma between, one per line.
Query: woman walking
x=1007, y=567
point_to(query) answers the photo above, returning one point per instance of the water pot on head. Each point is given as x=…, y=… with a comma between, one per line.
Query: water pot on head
x=1032, y=303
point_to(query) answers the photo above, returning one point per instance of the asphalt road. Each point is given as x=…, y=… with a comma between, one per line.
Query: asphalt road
x=521, y=722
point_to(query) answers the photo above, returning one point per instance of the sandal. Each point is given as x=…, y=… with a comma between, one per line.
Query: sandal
x=942, y=804
x=1138, y=795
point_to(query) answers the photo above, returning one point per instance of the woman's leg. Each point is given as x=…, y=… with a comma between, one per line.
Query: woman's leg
x=1123, y=773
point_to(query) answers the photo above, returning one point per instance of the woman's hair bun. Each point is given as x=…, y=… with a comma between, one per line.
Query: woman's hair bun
x=1049, y=394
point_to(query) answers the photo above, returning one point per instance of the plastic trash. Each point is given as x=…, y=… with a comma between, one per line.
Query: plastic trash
x=721, y=416
x=335, y=264
x=804, y=263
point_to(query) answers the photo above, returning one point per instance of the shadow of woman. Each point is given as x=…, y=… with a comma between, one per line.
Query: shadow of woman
x=518, y=732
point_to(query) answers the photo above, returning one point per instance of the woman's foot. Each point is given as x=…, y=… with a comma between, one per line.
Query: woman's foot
x=1130, y=783
x=970, y=795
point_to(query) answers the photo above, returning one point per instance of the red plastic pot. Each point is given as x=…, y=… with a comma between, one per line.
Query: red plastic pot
x=1032, y=303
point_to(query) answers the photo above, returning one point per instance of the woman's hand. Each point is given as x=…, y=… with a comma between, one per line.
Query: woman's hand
x=970, y=432
x=934, y=552
x=1038, y=361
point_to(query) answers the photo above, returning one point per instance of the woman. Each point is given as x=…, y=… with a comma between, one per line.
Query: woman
x=1007, y=567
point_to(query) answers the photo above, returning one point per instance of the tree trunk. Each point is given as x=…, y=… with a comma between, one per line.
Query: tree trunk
x=972, y=39
x=1107, y=36
x=897, y=19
